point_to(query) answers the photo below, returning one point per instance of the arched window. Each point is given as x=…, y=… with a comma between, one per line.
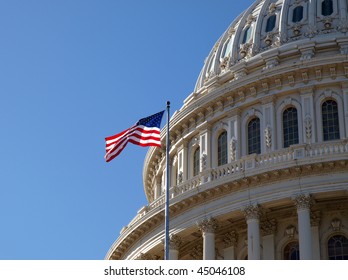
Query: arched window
x=290, y=127
x=254, y=138
x=222, y=148
x=326, y=7
x=247, y=35
x=338, y=248
x=196, y=162
x=331, y=130
x=297, y=14
x=291, y=251
x=271, y=21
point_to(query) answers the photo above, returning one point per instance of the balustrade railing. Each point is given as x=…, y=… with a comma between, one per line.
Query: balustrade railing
x=252, y=162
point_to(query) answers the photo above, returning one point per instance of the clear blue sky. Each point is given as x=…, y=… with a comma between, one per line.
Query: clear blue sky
x=71, y=73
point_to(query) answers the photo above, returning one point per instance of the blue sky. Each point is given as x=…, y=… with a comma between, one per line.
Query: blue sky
x=71, y=73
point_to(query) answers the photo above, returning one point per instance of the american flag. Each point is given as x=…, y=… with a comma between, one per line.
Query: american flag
x=146, y=132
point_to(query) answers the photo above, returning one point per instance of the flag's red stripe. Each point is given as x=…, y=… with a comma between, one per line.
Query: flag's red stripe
x=135, y=131
x=138, y=135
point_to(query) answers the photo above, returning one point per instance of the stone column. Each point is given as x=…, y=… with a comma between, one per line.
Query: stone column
x=315, y=221
x=174, y=245
x=302, y=203
x=230, y=242
x=268, y=229
x=252, y=215
x=208, y=227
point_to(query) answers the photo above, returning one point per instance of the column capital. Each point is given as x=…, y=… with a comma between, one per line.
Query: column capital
x=208, y=225
x=303, y=201
x=230, y=239
x=252, y=212
x=174, y=242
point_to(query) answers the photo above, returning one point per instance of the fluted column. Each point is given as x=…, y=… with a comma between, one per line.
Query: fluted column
x=208, y=227
x=174, y=245
x=302, y=203
x=252, y=215
x=230, y=242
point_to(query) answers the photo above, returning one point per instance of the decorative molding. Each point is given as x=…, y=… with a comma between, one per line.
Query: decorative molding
x=197, y=252
x=233, y=148
x=290, y=231
x=268, y=136
x=252, y=212
x=268, y=227
x=208, y=225
x=303, y=201
x=230, y=239
x=336, y=224
x=175, y=242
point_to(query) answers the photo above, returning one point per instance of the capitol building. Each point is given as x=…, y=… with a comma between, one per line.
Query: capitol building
x=259, y=149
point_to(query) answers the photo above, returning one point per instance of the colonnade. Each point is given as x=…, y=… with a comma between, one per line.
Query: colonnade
x=252, y=215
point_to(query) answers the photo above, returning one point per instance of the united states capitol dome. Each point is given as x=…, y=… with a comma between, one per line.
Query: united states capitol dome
x=270, y=31
x=259, y=149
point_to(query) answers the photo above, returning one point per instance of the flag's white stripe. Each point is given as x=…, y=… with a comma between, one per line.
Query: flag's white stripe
x=134, y=132
x=121, y=146
x=152, y=130
x=123, y=143
x=155, y=139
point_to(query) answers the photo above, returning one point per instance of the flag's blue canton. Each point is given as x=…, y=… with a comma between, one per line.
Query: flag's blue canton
x=152, y=121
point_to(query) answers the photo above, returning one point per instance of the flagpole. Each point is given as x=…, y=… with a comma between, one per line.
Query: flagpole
x=166, y=243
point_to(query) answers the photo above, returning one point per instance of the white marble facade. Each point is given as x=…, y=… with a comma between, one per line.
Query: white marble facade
x=259, y=150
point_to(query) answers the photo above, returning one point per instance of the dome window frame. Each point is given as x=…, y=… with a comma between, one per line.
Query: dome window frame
x=322, y=15
x=290, y=125
x=254, y=136
x=330, y=120
x=196, y=161
x=297, y=14
x=222, y=148
x=271, y=23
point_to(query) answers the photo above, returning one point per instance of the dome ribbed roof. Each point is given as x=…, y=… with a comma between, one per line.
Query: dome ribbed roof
x=269, y=25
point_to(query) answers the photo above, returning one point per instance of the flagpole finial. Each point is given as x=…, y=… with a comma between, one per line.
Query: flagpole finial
x=168, y=103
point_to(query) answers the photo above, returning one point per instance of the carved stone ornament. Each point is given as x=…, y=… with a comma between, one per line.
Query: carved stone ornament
x=197, y=252
x=233, y=148
x=268, y=227
x=296, y=29
x=290, y=231
x=269, y=39
x=180, y=177
x=252, y=212
x=244, y=49
x=224, y=63
x=336, y=224
x=230, y=239
x=208, y=225
x=327, y=22
x=175, y=242
x=147, y=256
x=308, y=127
x=303, y=201
x=268, y=136
x=203, y=162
